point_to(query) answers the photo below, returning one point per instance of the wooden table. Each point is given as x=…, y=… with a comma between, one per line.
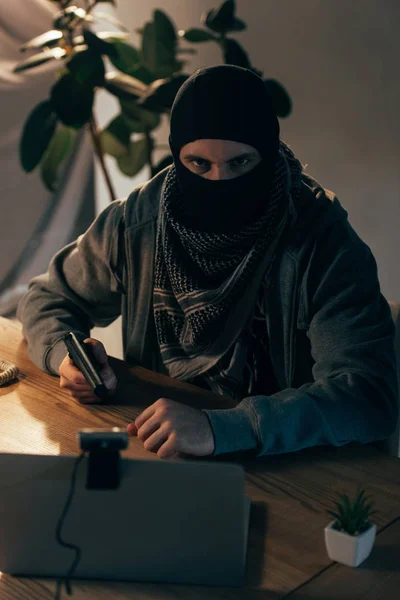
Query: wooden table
x=290, y=493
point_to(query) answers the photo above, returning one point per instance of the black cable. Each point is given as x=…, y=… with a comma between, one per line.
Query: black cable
x=78, y=552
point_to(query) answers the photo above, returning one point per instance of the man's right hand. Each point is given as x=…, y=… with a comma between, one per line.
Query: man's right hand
x=72, y=380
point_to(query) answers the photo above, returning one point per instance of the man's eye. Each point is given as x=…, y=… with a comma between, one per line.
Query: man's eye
x=200, y=163
x=240, y=162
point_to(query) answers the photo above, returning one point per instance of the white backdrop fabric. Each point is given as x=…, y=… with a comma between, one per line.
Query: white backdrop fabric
x=34, y=223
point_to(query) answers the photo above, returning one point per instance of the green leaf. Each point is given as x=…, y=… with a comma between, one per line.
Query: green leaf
x=164, y=26
x=150, y=48
x=126, y=58
x=97, y=44
x=359, y=502
x=219, y=19
x=50, y=38
x=161, y=94
x=143, y=74
x=37, y=133
x=72, y=101
x=159, y=46
x=145, y=119
x=346, y=503
x=196, y=36
x=234, y=54
x=57, y=151
x=335, y=515
x=341, y=511
x=135, y=126
x=237, y=25
x=360, y=495
x=124, y=86
x=367, y=512
x=162, y=164
x=115, y=138
x=222, y=19
x=136, y=158
x=281, y=100
x=39, y=59
x=87, y=67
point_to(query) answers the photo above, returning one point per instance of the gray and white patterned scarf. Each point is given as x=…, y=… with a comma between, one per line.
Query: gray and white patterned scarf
x=206, y=284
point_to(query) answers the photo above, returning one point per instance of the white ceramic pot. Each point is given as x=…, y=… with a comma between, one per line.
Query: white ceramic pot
x=348, y=549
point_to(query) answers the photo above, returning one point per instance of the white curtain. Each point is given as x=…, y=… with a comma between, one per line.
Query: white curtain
x=34, y=223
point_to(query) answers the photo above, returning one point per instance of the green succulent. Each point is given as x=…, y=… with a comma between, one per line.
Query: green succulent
x=352, y=517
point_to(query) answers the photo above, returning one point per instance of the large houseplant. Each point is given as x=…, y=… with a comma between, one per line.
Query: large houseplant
x=349, y=538
x=145, y=81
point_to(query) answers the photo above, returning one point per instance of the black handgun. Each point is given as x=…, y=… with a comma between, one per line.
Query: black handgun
x=83, y=358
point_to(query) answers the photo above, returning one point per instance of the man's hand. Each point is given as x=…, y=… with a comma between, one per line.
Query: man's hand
x=73, y=380
x=169, y=429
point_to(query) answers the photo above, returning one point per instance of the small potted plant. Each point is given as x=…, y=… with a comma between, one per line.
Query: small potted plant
x=350, y=537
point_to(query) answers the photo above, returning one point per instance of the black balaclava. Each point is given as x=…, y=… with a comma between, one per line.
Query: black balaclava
x=227, y=103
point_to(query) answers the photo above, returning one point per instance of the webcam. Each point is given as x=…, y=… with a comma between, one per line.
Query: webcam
x=103, y=439
x=103, y=446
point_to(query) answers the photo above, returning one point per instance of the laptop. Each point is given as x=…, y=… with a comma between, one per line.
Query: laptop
x=168, y=521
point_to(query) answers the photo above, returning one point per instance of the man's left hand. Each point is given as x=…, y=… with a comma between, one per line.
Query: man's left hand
x=169, y=428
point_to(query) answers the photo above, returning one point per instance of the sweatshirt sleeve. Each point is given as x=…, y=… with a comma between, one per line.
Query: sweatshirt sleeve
x=82, y=288
x=354, y=393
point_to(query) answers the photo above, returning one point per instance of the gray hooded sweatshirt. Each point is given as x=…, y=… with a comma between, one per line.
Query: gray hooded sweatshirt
x=331, y=334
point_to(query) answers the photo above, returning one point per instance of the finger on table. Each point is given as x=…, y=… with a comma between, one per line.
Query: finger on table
x=156, y=440
x=168, y=449
x=132, y=429
x=148, y=428
x=146, y=414
x=71, y=387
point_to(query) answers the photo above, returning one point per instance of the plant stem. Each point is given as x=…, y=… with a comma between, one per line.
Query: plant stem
x=100, y=155
x=221, y=43
x=90, y=7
